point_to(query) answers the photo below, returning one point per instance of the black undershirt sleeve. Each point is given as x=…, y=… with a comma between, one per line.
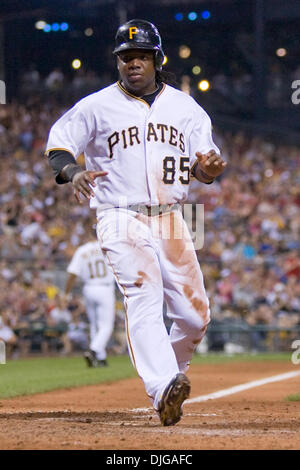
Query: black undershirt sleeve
x=58, y=159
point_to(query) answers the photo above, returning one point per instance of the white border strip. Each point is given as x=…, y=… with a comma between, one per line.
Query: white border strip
x=232, y=390
x=242, y=387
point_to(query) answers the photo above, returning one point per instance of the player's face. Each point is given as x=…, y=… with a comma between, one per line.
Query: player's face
x=137, y=71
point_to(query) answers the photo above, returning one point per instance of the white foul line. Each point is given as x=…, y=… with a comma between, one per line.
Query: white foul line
x=242, y=387
x=236, y=389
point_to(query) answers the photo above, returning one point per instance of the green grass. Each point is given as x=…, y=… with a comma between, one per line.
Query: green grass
x=28, y=376
x=37, y=375
x=220, y=358
x=295, y=397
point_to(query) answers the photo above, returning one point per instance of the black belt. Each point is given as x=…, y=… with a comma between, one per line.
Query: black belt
x=153, y=210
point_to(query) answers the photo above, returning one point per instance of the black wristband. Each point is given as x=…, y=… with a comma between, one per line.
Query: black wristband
x=211, y=179
x=204, y=175
x=193, y=169
x=70, y=171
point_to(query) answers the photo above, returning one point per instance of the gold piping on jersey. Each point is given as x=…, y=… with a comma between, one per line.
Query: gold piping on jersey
x=132, y=96
x=66, y=150
x=163, y=88
x=137, y=97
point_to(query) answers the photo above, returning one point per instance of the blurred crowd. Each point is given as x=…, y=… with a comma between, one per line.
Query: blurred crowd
x=238, y=86
x=250, y=257
x=60, y=87
x=233, y=90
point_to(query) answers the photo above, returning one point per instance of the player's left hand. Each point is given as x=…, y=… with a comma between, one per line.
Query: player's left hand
x=211, y=163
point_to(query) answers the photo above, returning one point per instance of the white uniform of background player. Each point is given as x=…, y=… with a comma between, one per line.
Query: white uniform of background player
x=147, y=153
x=99, y=294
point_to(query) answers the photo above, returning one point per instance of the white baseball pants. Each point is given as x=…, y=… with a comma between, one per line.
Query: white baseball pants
x=150, y=264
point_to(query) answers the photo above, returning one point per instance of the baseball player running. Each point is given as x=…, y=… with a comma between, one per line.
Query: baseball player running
x=99, y=296
x=143, y=140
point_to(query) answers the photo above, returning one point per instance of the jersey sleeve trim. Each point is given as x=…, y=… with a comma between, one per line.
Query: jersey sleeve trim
x=46, y=153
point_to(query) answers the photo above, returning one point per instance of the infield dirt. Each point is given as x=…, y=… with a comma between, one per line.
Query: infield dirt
x=119, y=415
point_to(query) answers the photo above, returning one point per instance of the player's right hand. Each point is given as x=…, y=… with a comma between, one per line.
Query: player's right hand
x=84, y=182
x=211, y=163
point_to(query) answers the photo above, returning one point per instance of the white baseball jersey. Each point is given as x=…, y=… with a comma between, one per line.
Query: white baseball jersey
x=89, y=265
x=147, y=151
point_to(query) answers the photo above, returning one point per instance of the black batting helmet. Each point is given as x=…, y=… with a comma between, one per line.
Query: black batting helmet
x=140, y=34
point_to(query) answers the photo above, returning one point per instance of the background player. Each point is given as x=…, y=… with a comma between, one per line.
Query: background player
x=142, y=140
x=99, y=297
